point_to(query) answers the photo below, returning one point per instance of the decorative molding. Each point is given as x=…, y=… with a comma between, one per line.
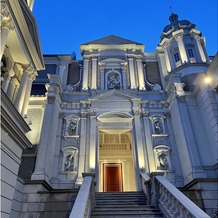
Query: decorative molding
x=83, y=114
x=4, y=11
x=92, y=113
x=8, y=24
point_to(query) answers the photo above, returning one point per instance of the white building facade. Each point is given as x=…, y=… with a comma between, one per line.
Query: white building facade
x=120, y=112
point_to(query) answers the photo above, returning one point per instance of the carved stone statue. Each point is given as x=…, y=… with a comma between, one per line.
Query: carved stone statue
x=158, y=127
x=163, y=160
x=69, y=163
x=71, y=128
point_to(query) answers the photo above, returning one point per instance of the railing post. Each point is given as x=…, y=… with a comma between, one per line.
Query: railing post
x=155, y=190
x=85, y=200
x=92, y=189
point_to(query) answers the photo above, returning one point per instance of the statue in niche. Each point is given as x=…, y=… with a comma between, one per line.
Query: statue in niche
x=69, y=163
x=71, y=128
x=158, y=126
x=163, y=160
x=113, y=81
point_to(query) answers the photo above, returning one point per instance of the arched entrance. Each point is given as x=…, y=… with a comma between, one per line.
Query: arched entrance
x=116, y=159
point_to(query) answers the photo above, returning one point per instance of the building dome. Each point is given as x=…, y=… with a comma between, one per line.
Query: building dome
x=176, y=24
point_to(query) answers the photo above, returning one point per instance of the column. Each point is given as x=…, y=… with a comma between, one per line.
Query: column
x=179, y=38
x=94, y=73
x=166, y=55
x=163, y=67
x=141, y=78
x=85, y=74
x=32, y=77
x=82, y=150
x=132, y=73
x=21, y=92
x=6, y=26
x=92, y=153
x=200, y=49
x=124, y=76
x=7, y=79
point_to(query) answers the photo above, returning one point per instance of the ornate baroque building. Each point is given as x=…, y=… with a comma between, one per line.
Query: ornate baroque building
x=118, y=111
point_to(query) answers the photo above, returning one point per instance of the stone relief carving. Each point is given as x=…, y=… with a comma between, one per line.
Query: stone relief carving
x=71, y=129
x=71, y=126
x=158, y=124
x=163, y=160
x=113, y=81
x=69, y=163
x=162, y=157
x=70, y=159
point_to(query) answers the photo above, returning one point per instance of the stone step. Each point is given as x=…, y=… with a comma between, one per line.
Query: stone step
x=135, y=214
x=108, y=209
x=123, y=205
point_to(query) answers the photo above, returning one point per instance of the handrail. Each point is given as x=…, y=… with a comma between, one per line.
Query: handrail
x=174, y=203
x=165, y=196
x=85, y=200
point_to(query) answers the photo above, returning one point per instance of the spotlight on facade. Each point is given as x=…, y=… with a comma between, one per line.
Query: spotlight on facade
x=207, y=80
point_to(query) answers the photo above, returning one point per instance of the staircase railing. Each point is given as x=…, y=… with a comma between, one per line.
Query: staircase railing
x=85, y=200
x=172, y=203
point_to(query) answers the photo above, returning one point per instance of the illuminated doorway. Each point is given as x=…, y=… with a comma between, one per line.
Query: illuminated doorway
x=116, y=162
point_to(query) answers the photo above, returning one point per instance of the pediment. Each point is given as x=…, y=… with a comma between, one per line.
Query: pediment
x=114, y=95
x=112, y=40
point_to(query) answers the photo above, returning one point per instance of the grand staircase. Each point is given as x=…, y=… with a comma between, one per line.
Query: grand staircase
x=123, y=205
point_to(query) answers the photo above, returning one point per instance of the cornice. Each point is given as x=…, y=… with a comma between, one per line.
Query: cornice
x=13, y=123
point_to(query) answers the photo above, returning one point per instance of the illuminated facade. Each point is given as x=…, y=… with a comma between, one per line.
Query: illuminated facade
x=21, y=58
x=123, y=111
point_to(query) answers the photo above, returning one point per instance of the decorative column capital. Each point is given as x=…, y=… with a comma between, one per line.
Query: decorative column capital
x=83, y=115
x=137, y=112
x=178, y=35
x=8, y=23
x=92, y=113
x=4, y=10
x=130, y=56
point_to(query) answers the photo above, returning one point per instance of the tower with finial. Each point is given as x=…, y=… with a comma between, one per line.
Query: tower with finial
x=182, y=46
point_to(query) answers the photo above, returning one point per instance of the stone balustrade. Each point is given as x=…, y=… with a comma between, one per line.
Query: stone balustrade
x=165, y=196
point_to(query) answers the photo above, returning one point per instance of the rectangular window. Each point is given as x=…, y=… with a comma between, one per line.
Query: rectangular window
x=191, y=55
x=177, y=59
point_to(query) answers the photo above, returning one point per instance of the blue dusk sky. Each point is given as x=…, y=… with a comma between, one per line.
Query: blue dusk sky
x=65, y=25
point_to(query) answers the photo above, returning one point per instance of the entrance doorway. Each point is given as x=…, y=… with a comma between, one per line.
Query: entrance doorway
x=112, y=177
x=116, y=161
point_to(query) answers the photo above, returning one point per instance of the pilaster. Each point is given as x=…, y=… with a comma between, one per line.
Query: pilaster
x=82, y=150
x=186, y=144
x=141, y=79
x=149, y=146
x=94, y=73
x=85, y=74
x=197, y=40
x=178, y=35
x=92, y=153
x=166, y=55
x=132, y=72
x=46, y=149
